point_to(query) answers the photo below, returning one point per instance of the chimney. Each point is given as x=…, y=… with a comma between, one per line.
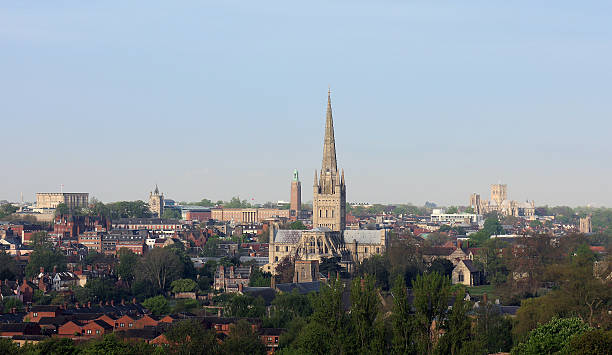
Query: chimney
x=89, y=304
x=458, y=244
x=134, y=300
x=42, y=270
x=484, y=298
x=54, y=269
x=113, y=303
x=219, y=312
x=122, y=302
x=240, y=287
x=76, y=305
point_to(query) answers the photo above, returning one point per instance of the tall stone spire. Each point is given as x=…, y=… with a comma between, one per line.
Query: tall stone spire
x=329, y=143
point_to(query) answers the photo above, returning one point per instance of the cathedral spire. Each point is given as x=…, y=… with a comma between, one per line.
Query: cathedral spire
x=329, y=143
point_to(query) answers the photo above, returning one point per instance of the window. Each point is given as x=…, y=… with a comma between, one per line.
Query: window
x=269, y=339
x=88, y=331
x=122, y=325
x=277, y=248
x=276, y=258
x=97, y=331
x=366, y=249
x=286, y=248
x=35, y=314
x=130, y=325
x=461, y=277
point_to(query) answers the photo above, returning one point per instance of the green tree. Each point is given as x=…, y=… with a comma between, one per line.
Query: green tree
x=286, y=307
x=47, y=258
x=128, y=260
x=159, y=267
x=190, y=337
x=243, y=340
x=259, y=278
x=285, y=269
x=7, y=209
x=184, y=285
x=376, y=266
x=7, y=346
x=493, y=330
x=297, y=225
x=171, y=213
x=364, y=316
x=158, y=305
x=62, y=210
x=9, y=270
x=430, y=301
x=402, y=319
x=10, y=303
x=551, y=337
x=592, y=342
x=246, y=306
x=441, y=266
x=457, y=329
x=452, y=210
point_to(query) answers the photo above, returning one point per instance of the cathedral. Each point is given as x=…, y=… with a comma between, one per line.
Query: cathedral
x=329, y=237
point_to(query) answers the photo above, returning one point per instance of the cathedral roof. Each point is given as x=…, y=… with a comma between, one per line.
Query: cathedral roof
x=287, y=236
x=363, y=236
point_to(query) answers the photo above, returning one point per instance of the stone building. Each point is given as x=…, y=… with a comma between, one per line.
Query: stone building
x=466, y=273
x=306, y=271
x=295, y=208
x=329, y=190
x=585, y=225
x=499, y=203
x=156, y=202
x=232, y=279
x=50, y=200
x=247, y=215
x=328, y=238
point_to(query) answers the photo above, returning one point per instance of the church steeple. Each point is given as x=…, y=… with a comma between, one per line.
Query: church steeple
x=329, y=143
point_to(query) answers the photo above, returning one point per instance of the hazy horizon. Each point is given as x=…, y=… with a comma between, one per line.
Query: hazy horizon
x=214, y=100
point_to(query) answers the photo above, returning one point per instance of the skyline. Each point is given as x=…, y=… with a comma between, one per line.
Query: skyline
x=221, y=100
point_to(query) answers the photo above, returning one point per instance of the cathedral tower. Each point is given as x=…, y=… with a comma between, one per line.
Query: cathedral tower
x=329, y=190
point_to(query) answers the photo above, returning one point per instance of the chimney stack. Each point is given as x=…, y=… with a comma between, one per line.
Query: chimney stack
x=484, y=298
x=240, y=287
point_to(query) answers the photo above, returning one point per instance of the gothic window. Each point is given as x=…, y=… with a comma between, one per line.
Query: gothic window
x=320, y=213
x=326, y=214
x=461, y=278
x=366, y=249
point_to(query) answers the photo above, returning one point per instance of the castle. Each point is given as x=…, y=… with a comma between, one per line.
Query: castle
x=328, y=238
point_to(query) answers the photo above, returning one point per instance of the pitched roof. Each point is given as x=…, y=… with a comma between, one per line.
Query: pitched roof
x=363, y=236
x=287, y=236
x=470, y=265
x=302, y=287
x=439, y=251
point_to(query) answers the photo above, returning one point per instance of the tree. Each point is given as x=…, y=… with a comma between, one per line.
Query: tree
x=592, y=342
x=365, y=308
x=190, y=337
x=285, y=270
x=330, y=266
x=286, y=307
x=183, y=285
x=493, y=330
x=452, y=210
x=259, y=278
x=457, y=329
x=9, y=270
x=551, y=337
x=297, y=225
x=160, y=267
x=158, y=305
x=430, y=301
x=7, y=346
x=47, y=258
x=171, y=213
x=442, y=266
x=375, y=265
x=62, y=210
x=10, y=303
x=243, y=340
x=402, y=319
x=7, y=209
x=246, y=306
x=54, y=346
x=128, y=260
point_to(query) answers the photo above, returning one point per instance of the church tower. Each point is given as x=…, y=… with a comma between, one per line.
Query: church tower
x=156, y=203
x=329, y=190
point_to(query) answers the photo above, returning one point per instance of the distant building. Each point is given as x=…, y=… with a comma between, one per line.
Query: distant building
x=156, y=202
x=585, y=225
x=196, y=213
x=232, y=279
x=438, y=216
x=466, y=273
x=306, y=271
x=499, y=203
x=247, y=215
x=72, y=200
x=295, y=207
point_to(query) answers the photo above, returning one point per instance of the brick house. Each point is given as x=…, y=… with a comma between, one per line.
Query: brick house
x=13, y=329
x=270, y=337
x=75, y=328
x=38, y=312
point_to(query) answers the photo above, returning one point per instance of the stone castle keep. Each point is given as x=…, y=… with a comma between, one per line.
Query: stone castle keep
x=328, y=238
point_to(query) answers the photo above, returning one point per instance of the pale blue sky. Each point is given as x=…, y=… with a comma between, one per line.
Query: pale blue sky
x=432, y=100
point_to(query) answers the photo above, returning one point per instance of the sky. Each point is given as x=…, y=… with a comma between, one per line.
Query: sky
x=432, y=100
